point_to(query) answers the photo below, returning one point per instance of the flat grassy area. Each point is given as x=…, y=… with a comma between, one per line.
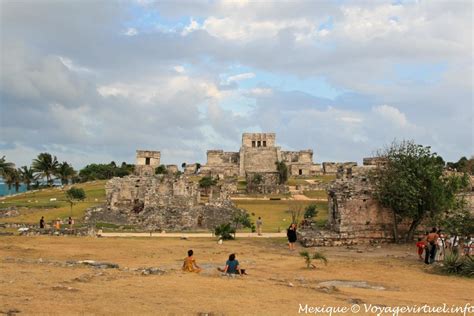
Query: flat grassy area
x=33, y=205
x=275, y=214
x=324, y=178
x=316, y=194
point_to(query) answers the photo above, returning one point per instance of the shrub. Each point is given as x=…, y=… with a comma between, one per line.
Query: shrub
x=316, y=256
x=467, y=269
x=310, y=211
x=225, y=231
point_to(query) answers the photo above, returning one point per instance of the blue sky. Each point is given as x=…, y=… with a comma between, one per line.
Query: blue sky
x=94, y=81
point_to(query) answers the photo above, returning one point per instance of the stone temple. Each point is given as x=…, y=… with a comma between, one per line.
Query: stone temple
x=258, y=154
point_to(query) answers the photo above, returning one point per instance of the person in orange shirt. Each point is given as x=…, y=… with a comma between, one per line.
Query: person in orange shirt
x=57, y=224
x=432, y=244
x=189, y=264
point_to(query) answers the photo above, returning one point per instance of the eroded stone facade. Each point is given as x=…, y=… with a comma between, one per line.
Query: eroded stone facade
x=146, y=162
x=161, y=202
x=259, y=153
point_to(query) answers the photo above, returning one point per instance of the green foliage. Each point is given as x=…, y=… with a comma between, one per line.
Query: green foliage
x=161, y=169
x=12, y=177
x=257, y=179
x=463, y=165
x=454, y=264
x=316, y=256
x=413, y=185
x=310, y=211
x=65, y=172
x=104, y=171
x=74, y=195
x=5, y=166
x=183, y=165
x=207, y=182
x=45, y=166
x=225, y=231
x=27, y=176
x=282, y=171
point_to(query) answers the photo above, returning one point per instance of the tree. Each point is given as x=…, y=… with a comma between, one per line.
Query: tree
x=282, y=171
x=12, y=178
x=161, y=169
x=412, y=184
x=45, y=166
x=74, y=195
x=27, y=176
x=65, y=172
x=206, y=183
x=5, y=166
x=183, y=165
x=198, y=166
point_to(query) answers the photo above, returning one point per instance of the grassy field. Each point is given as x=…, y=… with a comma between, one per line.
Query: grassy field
x=316, y=194
x=325, y=178
x=33, y=205
x=275, y=214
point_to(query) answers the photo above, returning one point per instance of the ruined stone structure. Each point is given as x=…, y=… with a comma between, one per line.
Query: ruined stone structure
x=146, y=162
x=354, y=216
x=172, y=169
x=258, y=154
x=264, y=183
x=335, y=167
x=161, y=202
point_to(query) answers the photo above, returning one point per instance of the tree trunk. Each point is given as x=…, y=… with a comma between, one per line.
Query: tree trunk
x=414, y=224
x=395, y=228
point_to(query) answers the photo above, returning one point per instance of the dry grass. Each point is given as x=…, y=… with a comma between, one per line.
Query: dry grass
x=38, y=288
x=316, y=194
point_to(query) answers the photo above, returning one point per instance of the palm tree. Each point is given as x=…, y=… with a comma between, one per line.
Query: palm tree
x=27, y=176
x=309, y=258
x=46, y=166
x=65, y=172
x=5, y=166
x=12, y=177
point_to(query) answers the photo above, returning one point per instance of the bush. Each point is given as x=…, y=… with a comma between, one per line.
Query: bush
x=454, y=264
x=467, y=269
x=225, y=231
x=310, y=211
x=309, y=258
x=161, y=169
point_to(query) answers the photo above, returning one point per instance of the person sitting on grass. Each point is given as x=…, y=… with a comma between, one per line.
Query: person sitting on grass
x=189, y=264
x=232, y=266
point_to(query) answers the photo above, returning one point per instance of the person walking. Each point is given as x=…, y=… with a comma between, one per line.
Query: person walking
x=432, y=240
x=42, y=222
x=291, y=234
x=259, y=223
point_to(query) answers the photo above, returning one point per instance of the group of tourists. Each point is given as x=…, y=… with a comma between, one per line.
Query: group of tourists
x=434, y=244
x=232, y=266
x=56, y=224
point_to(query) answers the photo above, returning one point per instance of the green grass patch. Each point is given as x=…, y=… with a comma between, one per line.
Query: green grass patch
x=275, y=214
x=33, y=205
x=316, y=194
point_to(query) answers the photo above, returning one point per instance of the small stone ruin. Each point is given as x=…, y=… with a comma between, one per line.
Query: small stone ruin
x=163, y=202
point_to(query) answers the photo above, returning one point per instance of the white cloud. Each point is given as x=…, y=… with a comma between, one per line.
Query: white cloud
x=391, y=114
x=131, y=31
x=240, y=77
x=179, y=69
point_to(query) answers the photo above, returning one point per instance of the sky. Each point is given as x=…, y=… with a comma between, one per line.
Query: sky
x=93, y=81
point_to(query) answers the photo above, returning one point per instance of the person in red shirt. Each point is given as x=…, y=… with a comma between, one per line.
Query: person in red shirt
x=421, y=244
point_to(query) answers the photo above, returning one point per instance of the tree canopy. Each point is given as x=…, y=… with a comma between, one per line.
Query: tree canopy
x=412, y=183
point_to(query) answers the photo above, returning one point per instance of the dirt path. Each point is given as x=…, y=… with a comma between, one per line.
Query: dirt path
x=192, y=235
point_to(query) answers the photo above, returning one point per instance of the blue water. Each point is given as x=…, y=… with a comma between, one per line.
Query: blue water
x=4, y=189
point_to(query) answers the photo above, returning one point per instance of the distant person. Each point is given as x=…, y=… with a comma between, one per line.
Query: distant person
x=232, y=266
x=42, y=222
x=189, y=264
x=70, y=221
x=259, y=223
x=432, y=240
x=420, y=245
x=441, y=246
x=57, y=224
x=291, y=234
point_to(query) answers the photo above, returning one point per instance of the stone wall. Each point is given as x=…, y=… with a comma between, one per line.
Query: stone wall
x=264, y=183
x=260, y=159
x=161, y=202
x=221, y=164
x=146, y=162
x=172, y=169
x=258, y=139
x=333, y=167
